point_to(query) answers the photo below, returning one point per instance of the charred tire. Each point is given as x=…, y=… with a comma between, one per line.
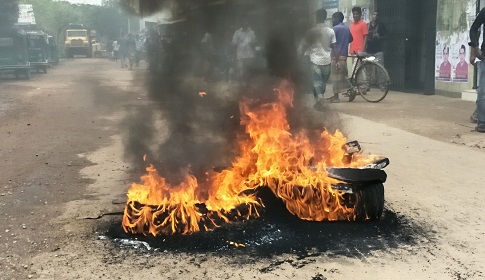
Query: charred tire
x=369, y=202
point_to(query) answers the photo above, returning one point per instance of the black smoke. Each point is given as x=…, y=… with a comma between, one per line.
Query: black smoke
x=179, y=129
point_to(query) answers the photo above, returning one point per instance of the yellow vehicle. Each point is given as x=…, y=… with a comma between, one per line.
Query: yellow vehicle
x=77, y=41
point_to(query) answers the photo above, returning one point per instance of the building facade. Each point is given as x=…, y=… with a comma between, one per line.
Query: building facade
x=426, y=49
x=454, y=19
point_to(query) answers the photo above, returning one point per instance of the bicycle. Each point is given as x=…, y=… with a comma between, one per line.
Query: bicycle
x=369, y=79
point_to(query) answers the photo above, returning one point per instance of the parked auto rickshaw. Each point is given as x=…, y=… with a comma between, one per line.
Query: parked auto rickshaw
x=14, y=53
x=38, y=50
x=53, y=50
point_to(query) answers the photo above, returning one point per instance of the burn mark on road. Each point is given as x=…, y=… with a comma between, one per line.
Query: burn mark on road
x=277, y=232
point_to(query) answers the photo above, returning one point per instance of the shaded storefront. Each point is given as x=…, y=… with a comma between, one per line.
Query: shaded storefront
x=410, y=43
x=425, y=48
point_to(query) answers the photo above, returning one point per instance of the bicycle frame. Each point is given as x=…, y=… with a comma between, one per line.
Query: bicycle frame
x=363, y=60
x=360, y=60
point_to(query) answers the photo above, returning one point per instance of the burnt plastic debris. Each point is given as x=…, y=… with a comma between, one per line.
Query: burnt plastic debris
x=352, y=147
x=378, y=164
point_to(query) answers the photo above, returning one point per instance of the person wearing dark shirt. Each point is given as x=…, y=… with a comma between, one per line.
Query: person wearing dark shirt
x=130, y=50
x=375, y=39
x=123, y=52
x=339, y=63
x=478, y=53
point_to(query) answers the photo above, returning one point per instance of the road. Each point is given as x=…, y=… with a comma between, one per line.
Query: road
x=72, y=145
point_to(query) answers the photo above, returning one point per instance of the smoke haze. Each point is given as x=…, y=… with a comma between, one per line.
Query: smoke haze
x=182, y=129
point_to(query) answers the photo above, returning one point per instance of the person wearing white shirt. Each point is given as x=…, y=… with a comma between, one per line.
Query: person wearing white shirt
x=319, y=43
x=244, y=40
x=116, y=50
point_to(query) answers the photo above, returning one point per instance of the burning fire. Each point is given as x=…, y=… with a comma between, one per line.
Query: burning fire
x=293, y=166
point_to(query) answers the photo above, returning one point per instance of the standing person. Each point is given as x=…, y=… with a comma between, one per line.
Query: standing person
x=167, y=52
x=359, y=31
x=229, y=61
x=123, y=49
x=109, y=49
x=208, y=54
x=375, y=39
x=339, y=64
x=152, y=45
x=319, y=43
x=478, y=53
x=131, y=50
x=139, y=45
x=244, y=40
x=116, y=50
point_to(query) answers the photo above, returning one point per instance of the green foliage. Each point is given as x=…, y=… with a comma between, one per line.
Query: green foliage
x=9, y=12
x=55, y=16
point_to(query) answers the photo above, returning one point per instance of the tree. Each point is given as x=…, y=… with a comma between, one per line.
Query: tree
x=109, y=21
x=9, y=12
x=55, y=16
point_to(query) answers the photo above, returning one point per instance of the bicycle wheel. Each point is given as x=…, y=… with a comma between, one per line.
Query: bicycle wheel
x=372, y=81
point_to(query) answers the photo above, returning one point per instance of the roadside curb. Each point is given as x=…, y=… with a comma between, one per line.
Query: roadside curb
x=469, y=95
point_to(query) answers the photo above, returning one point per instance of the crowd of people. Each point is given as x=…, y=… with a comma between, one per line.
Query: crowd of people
x=328, y=48
x=127, y=49
x=237, y=56
x=325, y=49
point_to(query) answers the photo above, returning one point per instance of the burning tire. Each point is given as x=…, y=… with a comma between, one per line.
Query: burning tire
x=363, y=188
x=369, y=202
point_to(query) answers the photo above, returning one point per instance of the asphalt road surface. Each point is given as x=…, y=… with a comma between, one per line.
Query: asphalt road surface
x=69, y=154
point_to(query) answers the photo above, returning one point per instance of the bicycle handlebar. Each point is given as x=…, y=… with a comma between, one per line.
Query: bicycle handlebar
x=359, y=54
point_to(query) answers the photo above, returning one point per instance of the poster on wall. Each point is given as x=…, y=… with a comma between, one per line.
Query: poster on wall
x=451, y=58
x=442, y=59
x=459, y=62
x=365, y=14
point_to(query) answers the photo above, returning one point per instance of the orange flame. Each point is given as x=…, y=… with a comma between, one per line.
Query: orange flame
x=291, y=165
